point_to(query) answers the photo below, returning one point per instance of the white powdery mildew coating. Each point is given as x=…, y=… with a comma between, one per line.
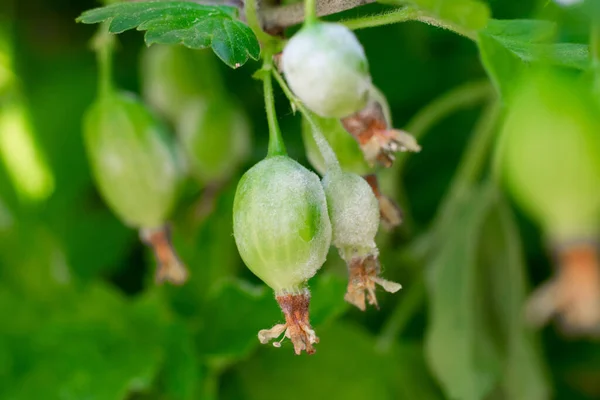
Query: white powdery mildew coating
x=327, y=69
x=353, y=210
x=280, y=223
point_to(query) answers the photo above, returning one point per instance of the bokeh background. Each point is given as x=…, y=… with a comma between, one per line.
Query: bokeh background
x=80, y=316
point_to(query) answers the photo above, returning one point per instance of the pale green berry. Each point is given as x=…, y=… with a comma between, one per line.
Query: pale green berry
x=137, y=172
x=354, y=213
x=280, y=223
x=549, y=155
x=326, y=67
x=133, y=160
x=172, y=76
x=216, y=138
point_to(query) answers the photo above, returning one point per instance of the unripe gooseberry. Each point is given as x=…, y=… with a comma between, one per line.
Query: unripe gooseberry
x=282, y=231
x=354, y=213
x=172, y=76
x=136, y=169
x=326, y=67
x=549, y=160
x=549, y=155
x=215, y=136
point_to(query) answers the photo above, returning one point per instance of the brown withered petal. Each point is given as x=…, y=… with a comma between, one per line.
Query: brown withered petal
x=573, y=294
x=363, y=275
x=391, y=214
x=297, y=325
x=378, y=141
x=169, y=267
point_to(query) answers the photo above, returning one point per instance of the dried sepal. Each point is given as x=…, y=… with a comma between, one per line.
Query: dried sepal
x=378, y=140
x=297, y=325
x=390, y=212
x=169, y=267
x=573, y=294
x=363, y=274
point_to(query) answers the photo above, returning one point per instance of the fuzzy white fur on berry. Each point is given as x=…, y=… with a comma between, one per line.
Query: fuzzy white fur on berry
x=326, y=67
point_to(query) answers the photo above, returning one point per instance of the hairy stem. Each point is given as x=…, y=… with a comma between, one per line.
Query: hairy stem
x=331, y=161
x=391, y=17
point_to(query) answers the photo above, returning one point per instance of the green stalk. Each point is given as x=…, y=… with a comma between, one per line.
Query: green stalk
x=276, y=145
x=310, y=12
x=331, y=161
x=104, y=43
x=402, y=14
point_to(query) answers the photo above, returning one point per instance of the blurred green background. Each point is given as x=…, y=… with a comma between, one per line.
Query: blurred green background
x=81, y=317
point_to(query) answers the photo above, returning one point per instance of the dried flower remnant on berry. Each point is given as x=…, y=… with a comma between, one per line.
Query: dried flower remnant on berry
x=297, y=325
x=169, y=266
x=354, y=213
x=378, y=141
x=573, y=294
x=283, y=233
x=389, y=211
x=363, y=274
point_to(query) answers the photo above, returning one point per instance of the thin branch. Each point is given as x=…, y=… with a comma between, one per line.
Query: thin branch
x=276, y=18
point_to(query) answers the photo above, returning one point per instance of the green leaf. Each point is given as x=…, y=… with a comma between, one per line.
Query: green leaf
x=501, y=258
x=476, y=342
x=459, y=353
x=509, y=46
x=88, y=347
x=470, y=15
x=232, y=318
x=194, y=25
x=345, y=366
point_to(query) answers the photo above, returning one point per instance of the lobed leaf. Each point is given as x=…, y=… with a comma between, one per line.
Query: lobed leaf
x=193, y=25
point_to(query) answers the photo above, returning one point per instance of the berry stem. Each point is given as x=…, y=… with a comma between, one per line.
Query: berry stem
x=310, y=12
x=331, y=161
x=276, y=144
x=104, y=43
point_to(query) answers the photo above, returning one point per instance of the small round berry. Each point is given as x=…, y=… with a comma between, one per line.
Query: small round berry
x=326, y=67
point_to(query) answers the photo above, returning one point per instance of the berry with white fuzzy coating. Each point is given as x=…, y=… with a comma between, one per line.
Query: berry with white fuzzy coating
x=280, y=223
x=354, y=213
x=282, y=231
x=326, y=67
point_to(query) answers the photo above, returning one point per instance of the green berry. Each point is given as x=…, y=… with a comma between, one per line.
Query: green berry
x=133, y=160
x=280, y=223
x=172, y=76
x=215, y=137
x=354, y=213
x=326, y=67
x=549, y=155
